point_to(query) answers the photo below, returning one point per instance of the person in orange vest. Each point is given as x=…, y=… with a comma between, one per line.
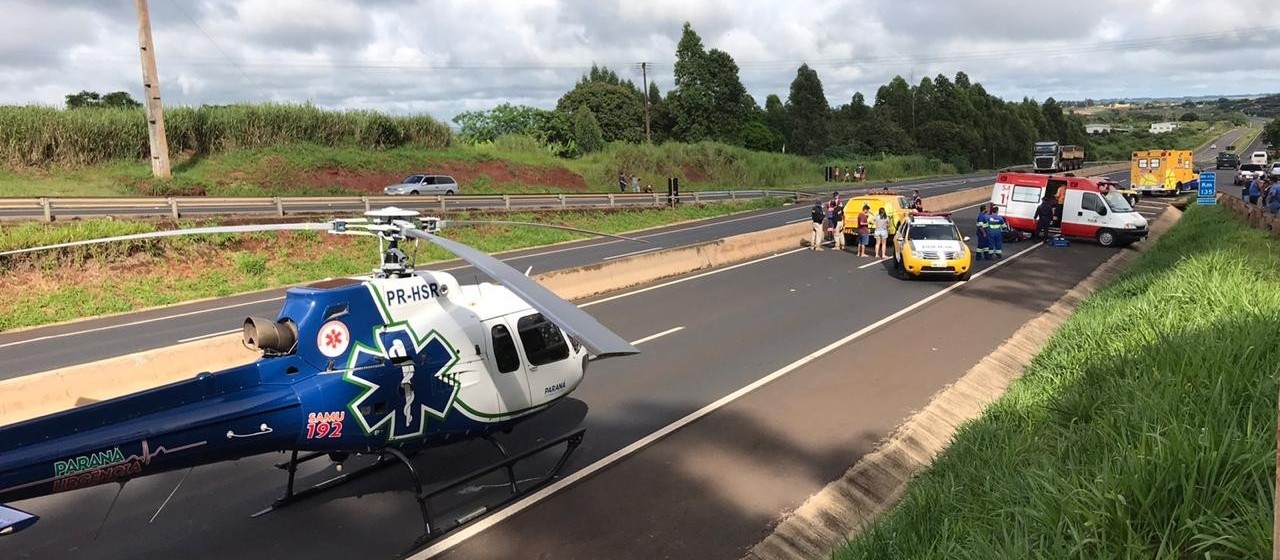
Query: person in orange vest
x=1062, y=201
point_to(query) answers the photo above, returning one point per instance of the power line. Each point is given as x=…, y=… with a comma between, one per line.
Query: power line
x=219, y=47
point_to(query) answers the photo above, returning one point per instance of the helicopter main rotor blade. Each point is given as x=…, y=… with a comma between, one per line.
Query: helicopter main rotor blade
x=533, y=224
x=179, y=232
x=596, y=337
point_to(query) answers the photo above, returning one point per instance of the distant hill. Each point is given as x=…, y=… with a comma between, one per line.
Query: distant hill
x=1268, y=106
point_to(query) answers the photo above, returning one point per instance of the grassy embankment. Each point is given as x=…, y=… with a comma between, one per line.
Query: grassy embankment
x=1145, y=429
x=260, y=150
x=1119, y=146
x=117, y=277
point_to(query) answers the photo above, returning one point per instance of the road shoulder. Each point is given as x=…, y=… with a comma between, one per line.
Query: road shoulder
x=876, y=482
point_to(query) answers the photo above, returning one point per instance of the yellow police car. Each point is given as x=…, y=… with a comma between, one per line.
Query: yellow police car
x=930, y=244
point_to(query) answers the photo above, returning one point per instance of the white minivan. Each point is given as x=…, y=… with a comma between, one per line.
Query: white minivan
x=1259, y=157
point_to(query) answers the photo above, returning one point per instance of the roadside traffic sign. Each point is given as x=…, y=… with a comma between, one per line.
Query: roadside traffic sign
x=1208, y=188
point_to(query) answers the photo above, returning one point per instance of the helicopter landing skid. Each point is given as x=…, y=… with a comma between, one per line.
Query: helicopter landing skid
x=431, y=532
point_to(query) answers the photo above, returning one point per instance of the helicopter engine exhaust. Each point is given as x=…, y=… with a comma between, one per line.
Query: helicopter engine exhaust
x=270, y=336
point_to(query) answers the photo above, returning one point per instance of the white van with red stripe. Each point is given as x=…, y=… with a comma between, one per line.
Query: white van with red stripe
x=1088, y=210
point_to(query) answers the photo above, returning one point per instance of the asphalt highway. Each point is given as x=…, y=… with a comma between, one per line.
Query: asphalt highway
x=41, y=349
x=706, y=491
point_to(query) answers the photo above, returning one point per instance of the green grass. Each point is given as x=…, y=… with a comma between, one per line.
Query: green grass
x=79, y=282
x=1145, y=429
x=44, y=137
x=1119, y=146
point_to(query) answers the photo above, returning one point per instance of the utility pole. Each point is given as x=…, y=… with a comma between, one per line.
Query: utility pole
x=151, y=91
x=644, y=71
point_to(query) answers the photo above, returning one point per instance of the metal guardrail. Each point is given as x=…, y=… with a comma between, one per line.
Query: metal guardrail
x=51, y=208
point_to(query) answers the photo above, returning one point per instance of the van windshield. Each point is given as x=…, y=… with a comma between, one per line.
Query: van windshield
x=1117, y=202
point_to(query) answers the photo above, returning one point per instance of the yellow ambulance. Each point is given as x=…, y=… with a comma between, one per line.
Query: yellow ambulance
x=1155, y=172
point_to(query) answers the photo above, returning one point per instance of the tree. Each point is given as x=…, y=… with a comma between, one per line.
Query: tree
x=618, y=108
x=1271, y=132
x=808, y=114
x=1189, y=116
x=503, y=120
x=659, y=115
x=775, y=116
x=115, y=99
x=894, y=101
x=709, y=101
x=586, y=130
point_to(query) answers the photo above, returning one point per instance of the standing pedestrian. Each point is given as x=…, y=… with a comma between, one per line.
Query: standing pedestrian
x=1255, y=191
x=818, y=217
x=837, y=231
x=635, y=184
x=996, y=227
x=622, y=181
x=917, y=203
x=882, y=233
x=981, y=234
x=1044, y=218
x=1273, y=198
x=864, y=229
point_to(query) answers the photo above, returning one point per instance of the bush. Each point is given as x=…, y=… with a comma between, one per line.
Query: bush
x=33, y=136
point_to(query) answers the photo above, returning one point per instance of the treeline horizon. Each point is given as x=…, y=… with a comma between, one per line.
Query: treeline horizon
x=952, y=119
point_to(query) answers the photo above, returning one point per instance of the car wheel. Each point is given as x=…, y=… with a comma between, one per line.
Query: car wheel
x=966, y=276
x=448, y=193
x=1107, y=238
x=413, y=193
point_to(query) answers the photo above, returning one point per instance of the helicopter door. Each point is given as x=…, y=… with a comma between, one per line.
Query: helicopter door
x=509, y=377
x=554, y=367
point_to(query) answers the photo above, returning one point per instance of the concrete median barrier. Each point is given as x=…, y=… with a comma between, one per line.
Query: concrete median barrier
x=48, y=392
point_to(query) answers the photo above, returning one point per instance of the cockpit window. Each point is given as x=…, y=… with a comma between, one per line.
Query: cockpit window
x=542, y=340
x=504, y=350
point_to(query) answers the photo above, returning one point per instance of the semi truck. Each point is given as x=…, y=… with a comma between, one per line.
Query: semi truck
x=1052, y=157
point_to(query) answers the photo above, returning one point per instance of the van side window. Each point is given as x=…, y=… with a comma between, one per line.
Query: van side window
x=542, y=340
x=504, y=350
x=1092, y=202
x=446, y=180
x=1155, y=163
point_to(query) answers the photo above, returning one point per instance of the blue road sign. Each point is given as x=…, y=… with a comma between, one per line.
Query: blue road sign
x=1208, y=188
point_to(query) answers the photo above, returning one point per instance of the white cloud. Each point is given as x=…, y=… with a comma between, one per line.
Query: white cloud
x=446, y=56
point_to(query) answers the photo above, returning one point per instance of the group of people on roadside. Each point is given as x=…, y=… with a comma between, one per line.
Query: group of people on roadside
x=990, y=233
x=1263, y=191
x=634, y=182
x=829, y=218
x=856, y=173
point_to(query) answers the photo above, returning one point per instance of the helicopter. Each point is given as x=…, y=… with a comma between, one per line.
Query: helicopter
x=383, y=365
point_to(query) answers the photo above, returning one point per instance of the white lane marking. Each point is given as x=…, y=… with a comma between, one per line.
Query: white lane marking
x=142, y=322
x=640, y=252
x=694, y=277
x=471, y=530
x=210, y=335
x=796, y=221
x=656, y=336
x=873, y=263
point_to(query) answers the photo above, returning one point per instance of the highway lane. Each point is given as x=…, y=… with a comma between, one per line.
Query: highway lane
x=40, y=349
x=769, y=313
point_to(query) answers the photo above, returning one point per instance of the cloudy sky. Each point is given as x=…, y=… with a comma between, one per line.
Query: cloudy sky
x=447, y=56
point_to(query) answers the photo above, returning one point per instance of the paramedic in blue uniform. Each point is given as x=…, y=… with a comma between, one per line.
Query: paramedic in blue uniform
x=981, y=235
x=995, y=233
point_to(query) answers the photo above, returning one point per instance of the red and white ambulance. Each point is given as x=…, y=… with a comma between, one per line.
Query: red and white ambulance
x=1086, y=208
